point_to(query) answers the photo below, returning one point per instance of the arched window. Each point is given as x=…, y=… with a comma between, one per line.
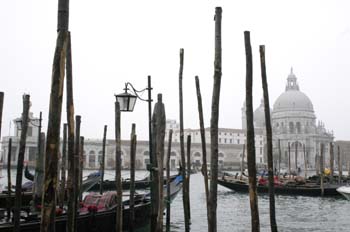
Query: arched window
x=173, y=153
x=221, y=155
x=146, y=153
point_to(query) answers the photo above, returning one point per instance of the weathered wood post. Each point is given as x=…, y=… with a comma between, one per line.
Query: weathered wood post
x=103, y=158
x=168, y=182
x=296, y=157
x=305, y=161
x=71, y=215
x=322, y=168
x=63, y=167
x=39, y=169
x=39, y=172
x=76, y=162
x=289, y=163
x=242, y=162
x=331, y=166
x=118, y=168
x=9, y=185
x=273, y=222
x=317, y=164
x=185, y=193
x=214, y=123
x=340, y=166
x=54, y=120
x=279, y=157
x=22, y=148
x=158, y=135
x=132, y=177
x=204, y=144
x=81, y=169
x=255, y=223
x=188, y=173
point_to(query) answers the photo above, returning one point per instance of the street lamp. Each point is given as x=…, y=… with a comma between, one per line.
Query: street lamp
x=127, y=102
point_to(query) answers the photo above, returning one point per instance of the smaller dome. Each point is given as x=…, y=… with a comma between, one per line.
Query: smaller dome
x=259, y=115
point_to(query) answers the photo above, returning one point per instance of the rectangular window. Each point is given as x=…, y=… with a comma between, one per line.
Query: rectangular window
x=260, y=150
x=260, y=142
x=230, y=140
x=238, y=141
x=219, y=140
x=225, y=141
x=260, y=160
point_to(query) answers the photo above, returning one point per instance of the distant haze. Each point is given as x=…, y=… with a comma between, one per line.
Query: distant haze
x=114, y=42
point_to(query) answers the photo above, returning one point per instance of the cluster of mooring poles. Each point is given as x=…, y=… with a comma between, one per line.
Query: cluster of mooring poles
x=55, y=190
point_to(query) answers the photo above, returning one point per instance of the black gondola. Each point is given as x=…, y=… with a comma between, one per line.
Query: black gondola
x=105, y=220
x=288, y=189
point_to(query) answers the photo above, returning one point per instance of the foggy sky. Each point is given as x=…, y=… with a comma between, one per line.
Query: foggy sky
x=114, y=42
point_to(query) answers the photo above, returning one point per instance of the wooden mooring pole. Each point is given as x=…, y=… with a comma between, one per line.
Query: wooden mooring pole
x=81, y=169
x=76, y=163
x=322, y=168
x=340, y=166
x=242, y=162
x=305, y=161
x=273, y=222
x=9, y=185
x=132, y=177
x=331, y=166
x=188, y=156
x=63, y=167
x=214, y=123
x=185, y=193
x=158, y=131
x=204, y=145
x=118, y=167
x=1, y=108
x=168, y=182
x=103, y=158
x=255, y=223
x=279, y=157
x=289, y=162
x=22, y=148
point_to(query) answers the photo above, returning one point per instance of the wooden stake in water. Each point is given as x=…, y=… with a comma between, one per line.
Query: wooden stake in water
x=168, y=182
x=132, y=177
x=71, y=215
x=305, y=161
x=242, y=162
x=188, y=174
x=279, y=156
x=22, y=148
x=118, y=167
x=63, y=167
x=185, y=192
x=296, y=158
x=204, y=144
x=9, y=185
x=158, y=135
x=340, y=166
x=289, y=163
x=273, y=222
x=214, y=123
x=322, y=168
x=250, y=136
x=331, y=166
x=76, y=163
x=81, y=168
x=103, y=158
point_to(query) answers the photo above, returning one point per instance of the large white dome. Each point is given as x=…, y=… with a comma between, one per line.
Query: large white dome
x=293, y=99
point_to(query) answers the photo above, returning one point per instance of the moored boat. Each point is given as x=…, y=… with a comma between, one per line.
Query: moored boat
x=345, y=191
x=306, y=189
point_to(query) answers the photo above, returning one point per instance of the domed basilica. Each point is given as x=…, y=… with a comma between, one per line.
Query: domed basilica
x=294, y=127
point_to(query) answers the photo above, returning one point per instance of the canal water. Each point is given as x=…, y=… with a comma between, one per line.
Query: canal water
x=294, y=213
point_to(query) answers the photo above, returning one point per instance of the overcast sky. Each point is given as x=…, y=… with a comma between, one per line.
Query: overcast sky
x=114, y=42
